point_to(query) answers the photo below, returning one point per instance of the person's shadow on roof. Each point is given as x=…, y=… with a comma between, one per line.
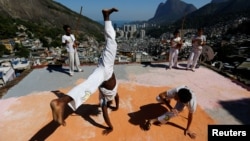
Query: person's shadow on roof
x=146, y=64
x=48, y=129
x=57, y=68
x=239, y=108
x=139, y=118
x=85, y=111
x=182, y=66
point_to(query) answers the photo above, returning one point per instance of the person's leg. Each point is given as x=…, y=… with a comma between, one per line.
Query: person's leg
x=198, y=62
x=196, y=57
x=166, y=116
x=149, y=122
x=58, y=107
x=171, y=54
x=190, y=59
x=77, y=62
x=175, y=61
x=82, y=92
x=108, y=56
x=71, y=63
x=77, y=95
x=106, y=13
x=161, y=119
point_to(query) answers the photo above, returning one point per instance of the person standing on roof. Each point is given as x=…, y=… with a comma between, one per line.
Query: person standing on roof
x=176, y=44
x=69, y=41
x=197, y=42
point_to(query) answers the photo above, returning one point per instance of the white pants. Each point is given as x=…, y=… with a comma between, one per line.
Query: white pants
x=103, y=72
x=173, y=57
x=73, y=61
x=194, y=57
x=106, y=95
x=168, y=115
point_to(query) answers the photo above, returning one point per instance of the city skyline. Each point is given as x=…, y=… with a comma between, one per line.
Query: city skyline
x=129, y=10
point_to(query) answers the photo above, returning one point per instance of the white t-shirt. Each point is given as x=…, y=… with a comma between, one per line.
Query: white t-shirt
x=192, y=104
x=196, y=44
x=175, y=41
x=69, y=45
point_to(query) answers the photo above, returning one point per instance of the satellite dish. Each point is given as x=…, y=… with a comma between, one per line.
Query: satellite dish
x=207, y=53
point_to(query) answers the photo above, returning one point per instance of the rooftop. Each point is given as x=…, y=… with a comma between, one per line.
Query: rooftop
x=25, y=112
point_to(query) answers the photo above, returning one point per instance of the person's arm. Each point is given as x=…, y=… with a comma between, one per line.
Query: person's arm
x=116, y=102
x=203, y=41
x=165, y=100
x=190, y=118
x=76, y=44
x=64, y=44
x=171, y=42
x=193, y=40
x=180, y=44
x=64, y=41
x=187, y=131
x=106, y=117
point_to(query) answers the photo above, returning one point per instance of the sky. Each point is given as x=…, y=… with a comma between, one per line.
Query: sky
x=129, y=10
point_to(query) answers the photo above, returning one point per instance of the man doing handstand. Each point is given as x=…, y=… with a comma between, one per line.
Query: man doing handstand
x=102, y=76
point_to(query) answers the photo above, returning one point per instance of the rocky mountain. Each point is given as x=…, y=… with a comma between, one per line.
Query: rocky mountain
x=170, y=11
x=223, y=7
x=217, y=11
x=218, y=1
x=48, y=13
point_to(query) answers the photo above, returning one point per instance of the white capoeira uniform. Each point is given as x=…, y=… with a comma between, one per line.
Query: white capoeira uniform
x=72, y=53
x=173, y=52
x=106, y=95
x=196, y=51
x=170, y=94
x=103, y=72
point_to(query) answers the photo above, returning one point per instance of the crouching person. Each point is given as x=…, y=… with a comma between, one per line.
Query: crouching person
x=184, y=98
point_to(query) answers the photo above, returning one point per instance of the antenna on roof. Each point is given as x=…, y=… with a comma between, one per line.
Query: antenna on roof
x=77, y=23
x=182, y=26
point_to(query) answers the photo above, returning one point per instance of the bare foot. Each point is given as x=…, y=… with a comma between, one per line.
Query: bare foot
x=107, y=12
x=107, y=131
x=57, y=108
x=147, y=125
x=192, y=135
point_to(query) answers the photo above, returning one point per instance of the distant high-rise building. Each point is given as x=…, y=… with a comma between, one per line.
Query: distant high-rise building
x=142, y=33
x=126, y=28
x=133, y=28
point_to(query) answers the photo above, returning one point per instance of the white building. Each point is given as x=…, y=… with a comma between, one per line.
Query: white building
x=142, y=33
x=7, y=73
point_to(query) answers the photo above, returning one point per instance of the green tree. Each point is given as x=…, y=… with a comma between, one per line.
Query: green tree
x=17, y=46
x=55, y=43
x=44, y=41
x=23, y=52
x=4, y=50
